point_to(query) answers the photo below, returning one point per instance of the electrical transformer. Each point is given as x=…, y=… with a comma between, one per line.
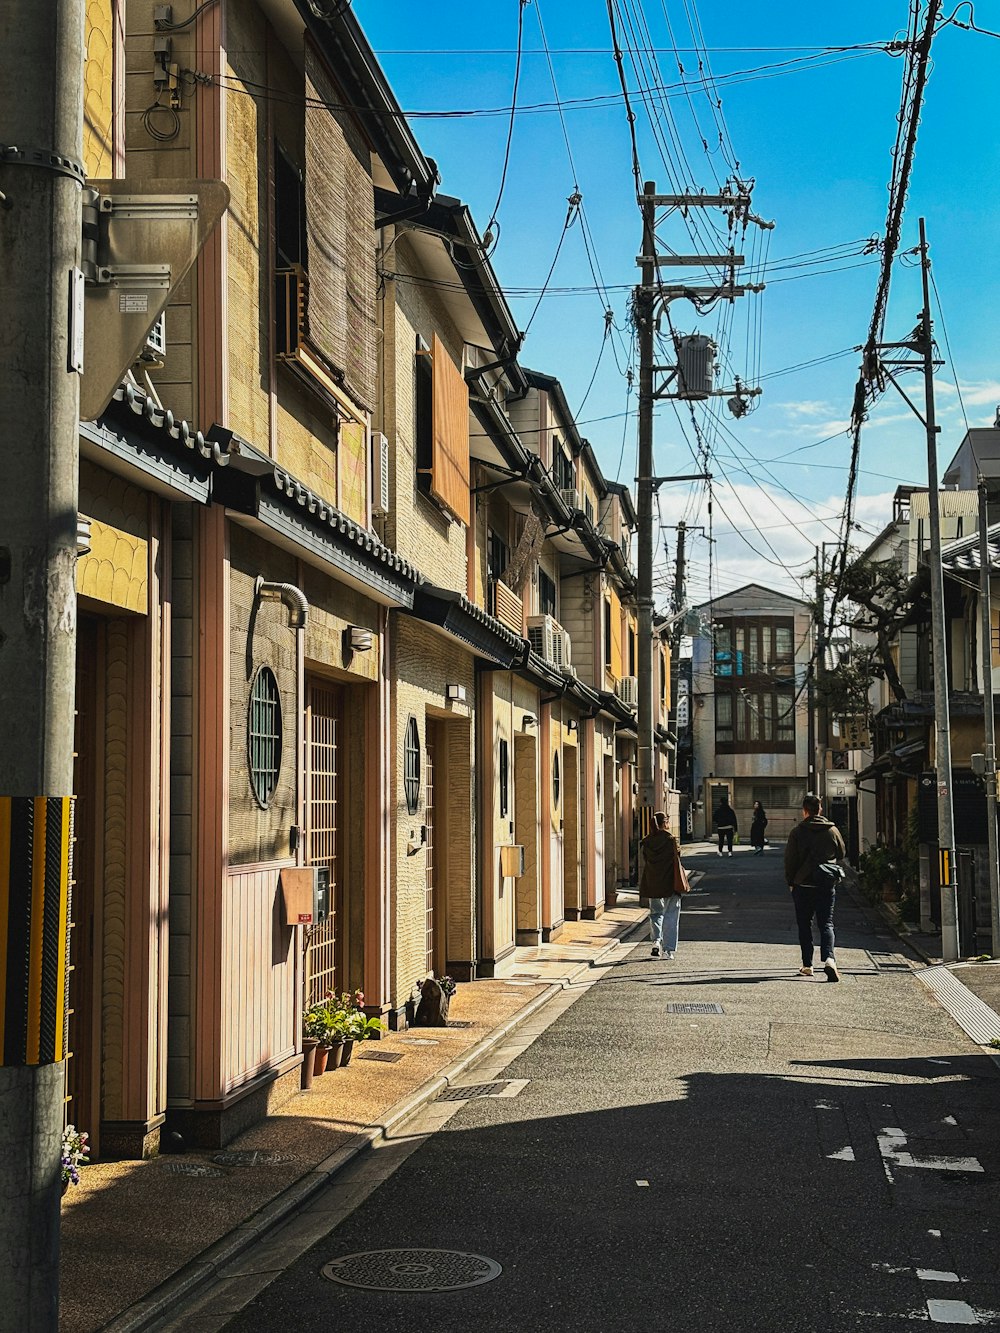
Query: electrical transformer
x=695, y=366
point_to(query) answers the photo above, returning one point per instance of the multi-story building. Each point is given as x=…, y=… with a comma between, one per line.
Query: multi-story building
x=323, y=624
x=749, y=715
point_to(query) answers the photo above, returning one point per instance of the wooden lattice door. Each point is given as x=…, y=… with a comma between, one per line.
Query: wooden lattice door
x=324, y=722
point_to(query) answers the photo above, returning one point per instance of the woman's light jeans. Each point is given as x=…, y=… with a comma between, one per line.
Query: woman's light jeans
x=664, y=921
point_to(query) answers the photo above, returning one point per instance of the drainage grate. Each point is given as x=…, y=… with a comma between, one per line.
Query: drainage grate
x=477, y=1090
x=459, y=1023
x=695, y=1009
x=888, y=962
x=412, y=1270
x=387, y=1057
x=250, y=1157
x=191, y=1169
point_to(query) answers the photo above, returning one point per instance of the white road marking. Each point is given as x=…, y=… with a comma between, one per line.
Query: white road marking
x=933, y=1275
x=643, y=1184
x=951, y=1312
x=892, y=1146
x=844, y=1155
x=949, y=1120
x=826, y=1106
x=933, y=1232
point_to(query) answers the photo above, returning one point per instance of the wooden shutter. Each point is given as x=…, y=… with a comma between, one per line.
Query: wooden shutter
x=352, y=453
x=450, y=455
x=616, y=636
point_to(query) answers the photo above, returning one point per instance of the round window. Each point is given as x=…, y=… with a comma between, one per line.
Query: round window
x=600, y=812
x=264, y=736
x=411, y=766
x=555, y=779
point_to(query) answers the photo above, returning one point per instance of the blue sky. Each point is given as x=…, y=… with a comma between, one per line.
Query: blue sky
x=816, y=141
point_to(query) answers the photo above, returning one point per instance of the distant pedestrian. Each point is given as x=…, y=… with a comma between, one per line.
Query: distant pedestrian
x=757, y=826
x=726, y=826
x=812, y=871
x=661, y=882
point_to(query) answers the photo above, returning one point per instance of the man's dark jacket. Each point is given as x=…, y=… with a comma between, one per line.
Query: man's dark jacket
x=725, y=817
x=659, y=862
x=809, y=845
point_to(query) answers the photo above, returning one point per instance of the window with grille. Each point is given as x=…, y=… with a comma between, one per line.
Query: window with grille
x=504, y=779
x=264, y=736
x=411, y=766
x=771, y=796
x=546, y=594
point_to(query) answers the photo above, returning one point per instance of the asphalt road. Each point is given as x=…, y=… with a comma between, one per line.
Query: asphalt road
x=816, y=1156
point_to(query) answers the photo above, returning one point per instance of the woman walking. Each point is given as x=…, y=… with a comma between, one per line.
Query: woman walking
x=662, y=882
x=757, y=826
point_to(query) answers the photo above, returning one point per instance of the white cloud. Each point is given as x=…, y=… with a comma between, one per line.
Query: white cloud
x=806, y=407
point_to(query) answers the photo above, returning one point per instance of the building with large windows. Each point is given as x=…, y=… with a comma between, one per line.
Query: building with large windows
x=749, y=716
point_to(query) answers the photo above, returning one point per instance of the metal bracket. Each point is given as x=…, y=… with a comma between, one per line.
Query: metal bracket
x=13, y=156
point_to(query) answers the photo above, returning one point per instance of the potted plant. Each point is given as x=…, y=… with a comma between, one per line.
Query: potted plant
x=317, y=1029
x=351, y=1003
x=75, y=1151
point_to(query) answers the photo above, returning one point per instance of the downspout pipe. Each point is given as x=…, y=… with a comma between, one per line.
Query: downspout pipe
x=295, y=602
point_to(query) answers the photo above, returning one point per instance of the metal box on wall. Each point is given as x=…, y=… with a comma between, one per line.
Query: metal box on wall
x=305, y=891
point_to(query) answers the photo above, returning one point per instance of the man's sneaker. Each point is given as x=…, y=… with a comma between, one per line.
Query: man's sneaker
x=669, y=953
x=805, y=971
x=720, y=851
x=830, y=968
x=654, y=951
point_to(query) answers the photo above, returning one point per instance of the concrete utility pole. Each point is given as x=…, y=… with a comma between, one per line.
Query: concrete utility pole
x=989, y=722
x=647, y=294
x=950, y=944
x=819, y=726
x=41, y=176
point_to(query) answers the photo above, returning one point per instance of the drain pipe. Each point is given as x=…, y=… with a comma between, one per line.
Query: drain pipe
x=297, y=605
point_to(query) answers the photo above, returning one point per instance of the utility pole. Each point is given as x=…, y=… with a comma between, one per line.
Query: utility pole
x=819, y=729
x=650, y=292
x=950, y=944
x=644, y=300
x=989, y=722
x=41, y=178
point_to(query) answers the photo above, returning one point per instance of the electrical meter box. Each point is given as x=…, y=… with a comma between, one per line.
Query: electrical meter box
x=512, y=861
x=306, y=894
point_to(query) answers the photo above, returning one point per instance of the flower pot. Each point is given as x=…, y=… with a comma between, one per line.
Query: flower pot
x=309, y=1045
x=322, y=1054
x=65, y=1186
x=610, y=898
x=336, y=1056
x=348, y=1048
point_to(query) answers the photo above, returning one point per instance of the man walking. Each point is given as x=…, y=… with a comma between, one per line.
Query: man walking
x=658, y=882
x=726, y=826
x=812, y=871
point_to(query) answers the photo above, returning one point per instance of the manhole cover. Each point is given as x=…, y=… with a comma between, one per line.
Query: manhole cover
x=694, y=1008
x=474, y=1090
x=191, y=1169
x=250, y=1157
x=412, y=1270
x=387, y=1057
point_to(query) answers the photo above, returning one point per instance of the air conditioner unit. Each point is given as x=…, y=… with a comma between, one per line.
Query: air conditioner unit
x=566, y=658
x=380, y=475
x=628, y=691
x=571, y=498
x=547, y=638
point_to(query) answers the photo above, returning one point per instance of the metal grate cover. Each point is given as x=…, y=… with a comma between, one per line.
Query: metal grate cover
x=387, y=1057
x=888, y=962
x=412, y=1270
x=250, y=1157
x=695, y=1008
x=474, y=1090
x=191, y=1169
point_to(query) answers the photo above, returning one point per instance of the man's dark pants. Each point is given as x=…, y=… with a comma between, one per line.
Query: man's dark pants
x=819, y=903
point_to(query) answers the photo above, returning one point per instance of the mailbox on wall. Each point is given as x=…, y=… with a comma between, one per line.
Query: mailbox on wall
x=512, y=861
x=306, y=894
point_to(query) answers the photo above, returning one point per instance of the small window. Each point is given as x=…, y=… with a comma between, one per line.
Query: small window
x=497, y=555
x=546, y=595
x=597, y=790
x=264, y=736
x=411, y=766
x=607, y=635
x=631, y=653
x=588, y=508
x=423, y=406
x=289, y=212
x=555, y=779
x=504, y=779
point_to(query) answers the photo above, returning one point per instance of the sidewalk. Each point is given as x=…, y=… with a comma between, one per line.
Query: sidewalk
x=138, y=1235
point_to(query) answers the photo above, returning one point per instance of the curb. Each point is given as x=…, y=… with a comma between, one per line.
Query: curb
x=188, y=1280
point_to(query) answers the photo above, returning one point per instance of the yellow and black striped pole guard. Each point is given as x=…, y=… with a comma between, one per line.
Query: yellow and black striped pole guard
x=36, y=838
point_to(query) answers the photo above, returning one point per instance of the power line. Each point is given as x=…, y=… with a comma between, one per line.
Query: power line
x=510, y=128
